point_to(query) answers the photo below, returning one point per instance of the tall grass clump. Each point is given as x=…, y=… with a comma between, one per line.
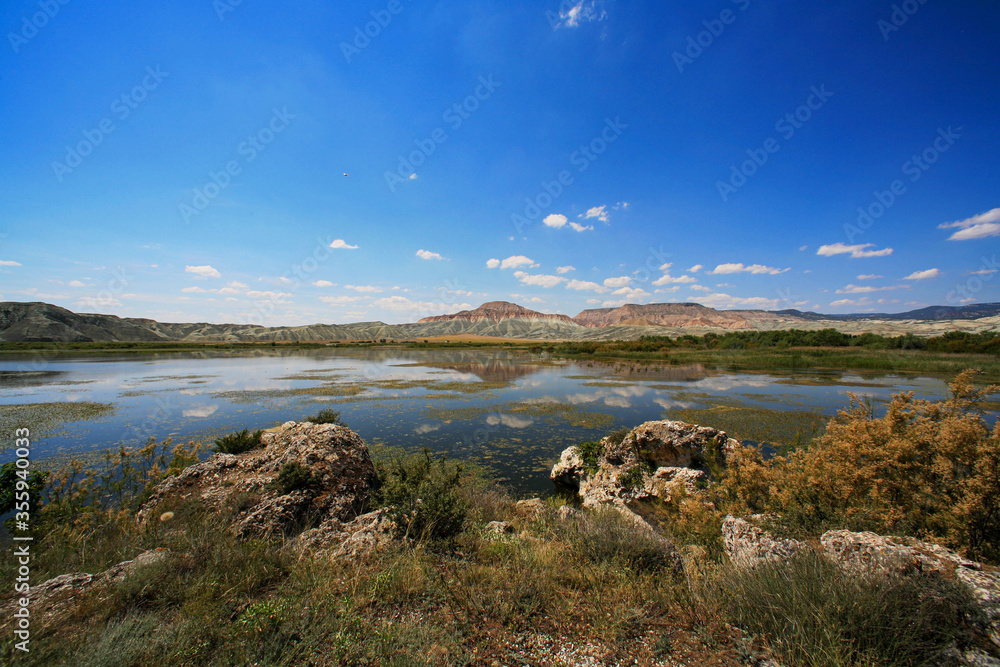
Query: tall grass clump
x=86, y=521
x=238, y=442
x=814, y=614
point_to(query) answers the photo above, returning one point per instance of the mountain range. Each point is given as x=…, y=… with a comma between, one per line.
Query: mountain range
x=43, y=322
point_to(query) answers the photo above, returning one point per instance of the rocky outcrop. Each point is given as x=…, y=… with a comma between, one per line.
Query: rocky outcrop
x=365, y=535
x=748, y=545
x=866, y=552
x=339, y=468
x=655, y=459
x=54, y=597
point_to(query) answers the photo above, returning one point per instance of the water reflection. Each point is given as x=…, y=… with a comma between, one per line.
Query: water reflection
x=513, y=412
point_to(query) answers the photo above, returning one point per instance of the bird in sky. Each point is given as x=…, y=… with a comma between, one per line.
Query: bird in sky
x=346, y=174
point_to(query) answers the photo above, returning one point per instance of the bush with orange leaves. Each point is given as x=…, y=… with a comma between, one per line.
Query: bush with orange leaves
x=925, y=469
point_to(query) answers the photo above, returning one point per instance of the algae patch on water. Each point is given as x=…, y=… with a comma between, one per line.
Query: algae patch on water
x=46, y=418
x=776, y=427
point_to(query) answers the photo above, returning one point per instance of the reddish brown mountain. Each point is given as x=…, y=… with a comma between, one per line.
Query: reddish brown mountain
x=663, y=314
x=497, y=311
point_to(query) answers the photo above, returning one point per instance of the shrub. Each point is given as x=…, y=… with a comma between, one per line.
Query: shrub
x=926, y=469
x=17, y=487
x=293, y=476
x=423, y=495
x=814, y=613
x=589, y=453
x=238, y=442
x=326, y=416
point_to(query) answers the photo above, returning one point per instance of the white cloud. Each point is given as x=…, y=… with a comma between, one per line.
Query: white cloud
x=979, y=226
x=631, y=294
x=339, y=299
x=556, y=220
x=76, y=283
x=564, y=269
x=492, y=263
x=923, y=275
x=869, y=276
x=540, y=280
x=323, y=283
x=668, y=279
x=401, y=303
x=721, y=300
x=427, y=254
x=668, y=290
x=228, y=290
x=340, y=244
x=371, y=289
x=412, y=177
x=694, y=269
x=235, y=283
x=740, y=268
x=286, y=281
x=579, y=13
x=203, y=271
x=276, y=297
x=855, y=251
x=701, y=288
x=196, y=290
x=599, y=212
x=580, y=228
x=516, y=262
x=9, y=262
x=866, y=289
x=981, y=272
x=621, y=281
x=582, y=285
x=864, y=301
x=97, y=302
x=803, y=248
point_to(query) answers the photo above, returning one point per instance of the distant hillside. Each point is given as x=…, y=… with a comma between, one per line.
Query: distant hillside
x=43, y=322
x=930, y=314
x=496, y=311
x=663, y=314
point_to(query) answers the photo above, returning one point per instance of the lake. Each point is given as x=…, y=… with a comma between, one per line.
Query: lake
x=513, y=412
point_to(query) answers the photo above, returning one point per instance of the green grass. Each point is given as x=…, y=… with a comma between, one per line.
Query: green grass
x=817, y=615
x=238, y=442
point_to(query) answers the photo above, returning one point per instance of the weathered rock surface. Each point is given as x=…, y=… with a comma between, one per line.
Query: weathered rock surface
x=868, y=551
x=678, y=452
x=531, y=508
x=748, y=545
x=337, y=459
x=53, y=597
x=367, y=534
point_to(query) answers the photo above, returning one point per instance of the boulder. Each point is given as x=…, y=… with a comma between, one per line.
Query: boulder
x=365, y=535
x=867, y=552
x=748, y=545
x=335, y=458
x=678, y=452
x=55, y=597
x=531, y=508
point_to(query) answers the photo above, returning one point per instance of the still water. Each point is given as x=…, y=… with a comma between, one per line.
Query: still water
x=512, y=412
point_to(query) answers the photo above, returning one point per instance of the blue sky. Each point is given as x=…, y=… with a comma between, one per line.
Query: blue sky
x=186, y=161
